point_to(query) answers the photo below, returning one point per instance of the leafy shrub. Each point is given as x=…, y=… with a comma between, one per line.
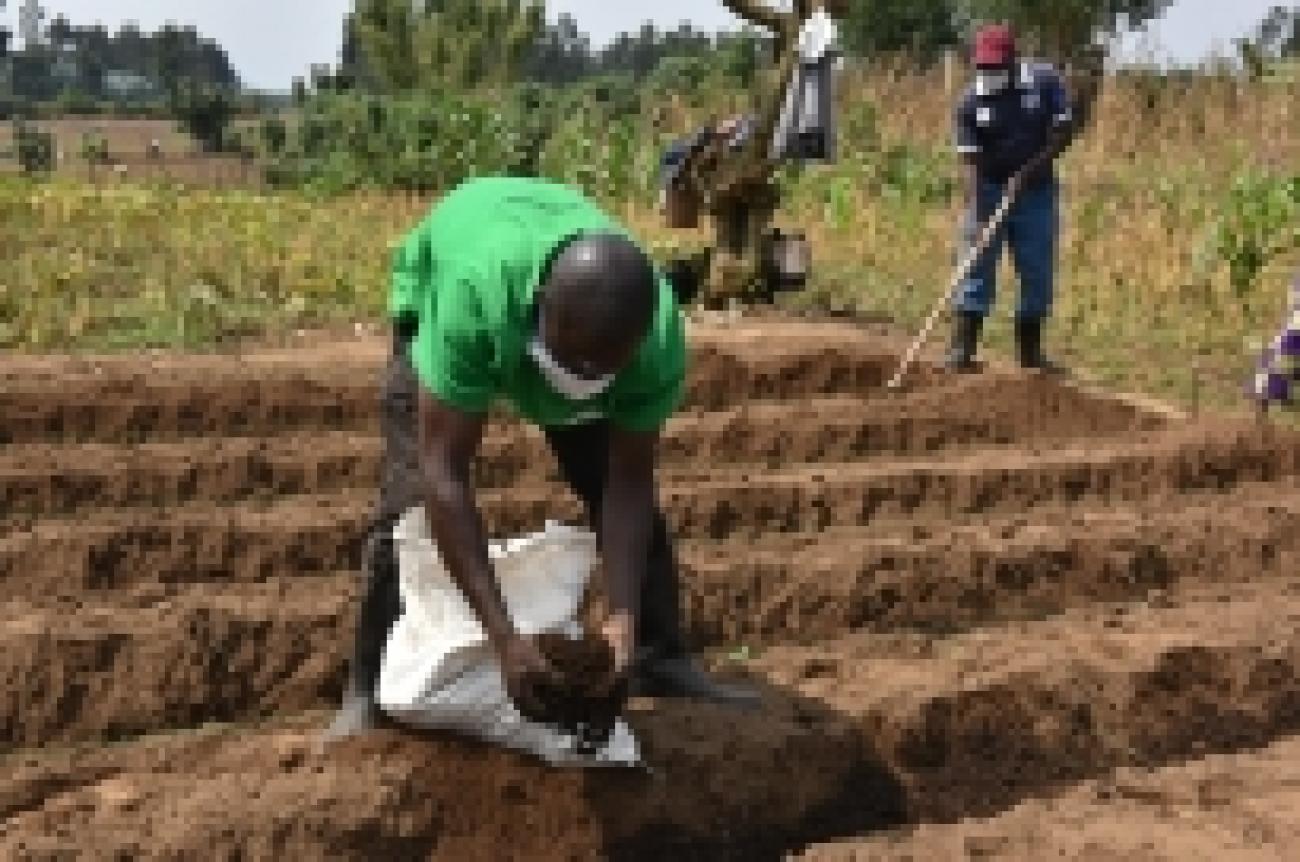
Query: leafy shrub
x=35, y=149
x=274, y=135
x=1260, y=219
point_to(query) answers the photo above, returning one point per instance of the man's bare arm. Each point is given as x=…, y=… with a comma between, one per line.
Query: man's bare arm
x=627, y=515
x=449, y=440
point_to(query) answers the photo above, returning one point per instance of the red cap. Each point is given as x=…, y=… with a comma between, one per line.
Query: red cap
x=995, y=45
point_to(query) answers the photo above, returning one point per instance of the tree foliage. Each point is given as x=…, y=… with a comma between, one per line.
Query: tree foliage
x=1060, y=27
x=398, y=46
x=35, y=148
x=1276, y=38
x=78, y=59
x=1278, y=35
x=391, y=46
x=205, y=113
x=871, y=27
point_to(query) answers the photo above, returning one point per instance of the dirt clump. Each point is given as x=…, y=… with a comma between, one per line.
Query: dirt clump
x=591, y=696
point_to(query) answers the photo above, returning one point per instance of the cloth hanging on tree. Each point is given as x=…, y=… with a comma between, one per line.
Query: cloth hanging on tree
x=806, y=127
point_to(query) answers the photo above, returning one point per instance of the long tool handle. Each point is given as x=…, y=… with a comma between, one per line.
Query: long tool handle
x=986, y=237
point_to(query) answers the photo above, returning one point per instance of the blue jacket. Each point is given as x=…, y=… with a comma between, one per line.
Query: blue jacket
x=1005, y=130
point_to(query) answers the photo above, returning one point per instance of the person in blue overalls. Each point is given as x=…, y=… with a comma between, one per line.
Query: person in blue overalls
x=1011, y=113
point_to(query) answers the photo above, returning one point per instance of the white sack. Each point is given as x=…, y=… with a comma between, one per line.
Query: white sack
x=439, y=671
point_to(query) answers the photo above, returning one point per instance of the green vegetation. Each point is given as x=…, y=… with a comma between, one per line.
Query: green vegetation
x=34, y=149
x=86, y=66
x=133, y=266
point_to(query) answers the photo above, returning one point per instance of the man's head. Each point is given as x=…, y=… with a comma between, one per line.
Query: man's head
x=595, y=306
x=994, y=57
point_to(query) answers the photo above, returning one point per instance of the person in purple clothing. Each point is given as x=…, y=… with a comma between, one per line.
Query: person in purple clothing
x=1278, y=373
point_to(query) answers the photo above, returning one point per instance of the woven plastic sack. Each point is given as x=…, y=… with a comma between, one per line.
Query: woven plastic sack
x=439, y=670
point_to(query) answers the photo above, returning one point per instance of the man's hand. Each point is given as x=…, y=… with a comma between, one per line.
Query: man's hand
x=530, y=679
x=619, y=632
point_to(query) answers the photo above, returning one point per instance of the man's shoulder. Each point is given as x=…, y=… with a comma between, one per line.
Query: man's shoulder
x=501, y=190
x=1040, y=73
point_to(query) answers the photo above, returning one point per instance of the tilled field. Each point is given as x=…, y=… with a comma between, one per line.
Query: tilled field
x=992, y=616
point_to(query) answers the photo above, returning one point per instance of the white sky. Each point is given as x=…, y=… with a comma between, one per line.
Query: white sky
x=271, y=41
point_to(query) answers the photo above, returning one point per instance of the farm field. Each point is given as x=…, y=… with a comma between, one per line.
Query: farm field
x=1177, y=229
x=985, y=612
x=128, y=141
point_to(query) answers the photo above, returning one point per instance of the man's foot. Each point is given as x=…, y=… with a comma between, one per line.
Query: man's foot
x=1029, y=344
x=679, y=676
x=965, y=341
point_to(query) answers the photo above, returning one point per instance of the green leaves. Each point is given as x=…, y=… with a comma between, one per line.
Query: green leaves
x=35, y=149
x=873, y=27
x=404, y=47
x=1060, y=27
x=1259, y=221
x=205, y=112
x=593, y=135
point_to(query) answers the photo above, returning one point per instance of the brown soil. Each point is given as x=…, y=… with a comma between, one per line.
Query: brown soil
x=53, y=479
x=1244, y=807
x=319, y=533
x=122, y=135
x=972, y=607
x=128, y=143
x=276, y=391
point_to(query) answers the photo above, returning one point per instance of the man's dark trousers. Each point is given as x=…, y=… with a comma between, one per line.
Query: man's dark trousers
x=582, y=453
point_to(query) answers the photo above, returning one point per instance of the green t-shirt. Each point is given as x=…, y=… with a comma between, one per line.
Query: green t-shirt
x=468, y=273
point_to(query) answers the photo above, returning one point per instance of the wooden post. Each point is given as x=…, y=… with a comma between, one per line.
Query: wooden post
x=1196, y=385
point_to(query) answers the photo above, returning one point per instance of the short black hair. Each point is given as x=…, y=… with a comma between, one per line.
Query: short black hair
x=603, y=287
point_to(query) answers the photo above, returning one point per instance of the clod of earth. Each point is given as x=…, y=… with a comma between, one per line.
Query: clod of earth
x=590, y=698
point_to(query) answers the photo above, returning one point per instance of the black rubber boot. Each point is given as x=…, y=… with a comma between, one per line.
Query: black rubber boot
x=380, y=607
x=1029, y=344
x=965, y=341
x=678, y=675
x=663, y=666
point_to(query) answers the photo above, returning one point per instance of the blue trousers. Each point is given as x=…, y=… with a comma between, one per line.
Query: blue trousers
x=1030, y=228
